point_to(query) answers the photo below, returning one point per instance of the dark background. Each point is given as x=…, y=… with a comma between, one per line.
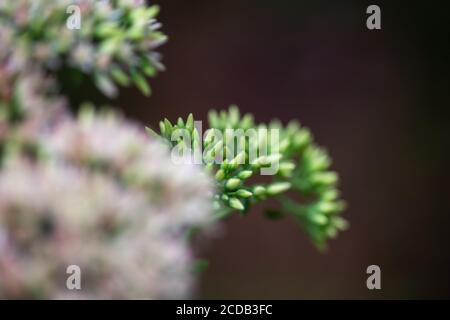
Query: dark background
x=377, y=100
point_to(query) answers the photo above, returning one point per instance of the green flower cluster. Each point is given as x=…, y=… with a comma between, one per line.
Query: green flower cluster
x=303, y=170
x=114, y=44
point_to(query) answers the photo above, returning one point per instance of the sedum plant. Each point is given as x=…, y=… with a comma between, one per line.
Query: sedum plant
x=114, y=46
x=303, y=170
x=95, y=190
x=55, y=214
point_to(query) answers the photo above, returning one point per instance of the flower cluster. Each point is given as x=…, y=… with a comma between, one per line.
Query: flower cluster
x=302, y=167
x=114, y=44
x=115, y=209
x=55, y=215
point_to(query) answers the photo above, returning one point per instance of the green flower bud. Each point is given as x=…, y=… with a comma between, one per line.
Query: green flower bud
x=328, y=207
x=318, y=159
x=278, y=187
x=302, y=138
x=162, y=128
x=286, y=169
x=233, y=183
x=195, y=136
x=141, y=83
x=247, y=122
x=234, y=115
x=274, y=158
x=330, y=195
x=220, y=175
x=331, y=231
x=213, y=119
x=235, y=203
x=324, y=178
x=242, y=193
x=245, y=174
x=259, y=191
x=275, y=124
x=292, y=127
x=339, y=223
x=120, y=76
x=190, y=122
x=319, y=219
x=223, y=116
x=239, y=159
x=284, y=145
x=261, y=161
x=169, y=127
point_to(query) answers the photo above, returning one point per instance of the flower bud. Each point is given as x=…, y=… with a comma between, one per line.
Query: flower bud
x=242, y=193
x=233, y=183
x=220, y=175
x=259, y=191
x=235, y=203
x=245, y=174
x=278, y=187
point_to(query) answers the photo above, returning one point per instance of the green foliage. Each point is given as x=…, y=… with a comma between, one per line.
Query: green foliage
x=303, y=184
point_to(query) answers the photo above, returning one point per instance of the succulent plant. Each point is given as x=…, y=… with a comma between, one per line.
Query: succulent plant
x=116, y=210
x=302, y=169
x=114, y=45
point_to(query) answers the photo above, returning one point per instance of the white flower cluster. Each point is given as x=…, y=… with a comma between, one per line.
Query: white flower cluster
x=107, y=199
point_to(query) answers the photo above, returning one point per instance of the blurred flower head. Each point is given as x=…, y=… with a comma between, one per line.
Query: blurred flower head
x=114, y=44
x=105, y=198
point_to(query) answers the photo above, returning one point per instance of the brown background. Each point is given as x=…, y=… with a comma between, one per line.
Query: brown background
x=379, y=102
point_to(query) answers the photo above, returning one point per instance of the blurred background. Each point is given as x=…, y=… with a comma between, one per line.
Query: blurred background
x=377, y=100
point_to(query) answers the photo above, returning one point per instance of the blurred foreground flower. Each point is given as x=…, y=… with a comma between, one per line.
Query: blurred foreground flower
x=114, y=208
